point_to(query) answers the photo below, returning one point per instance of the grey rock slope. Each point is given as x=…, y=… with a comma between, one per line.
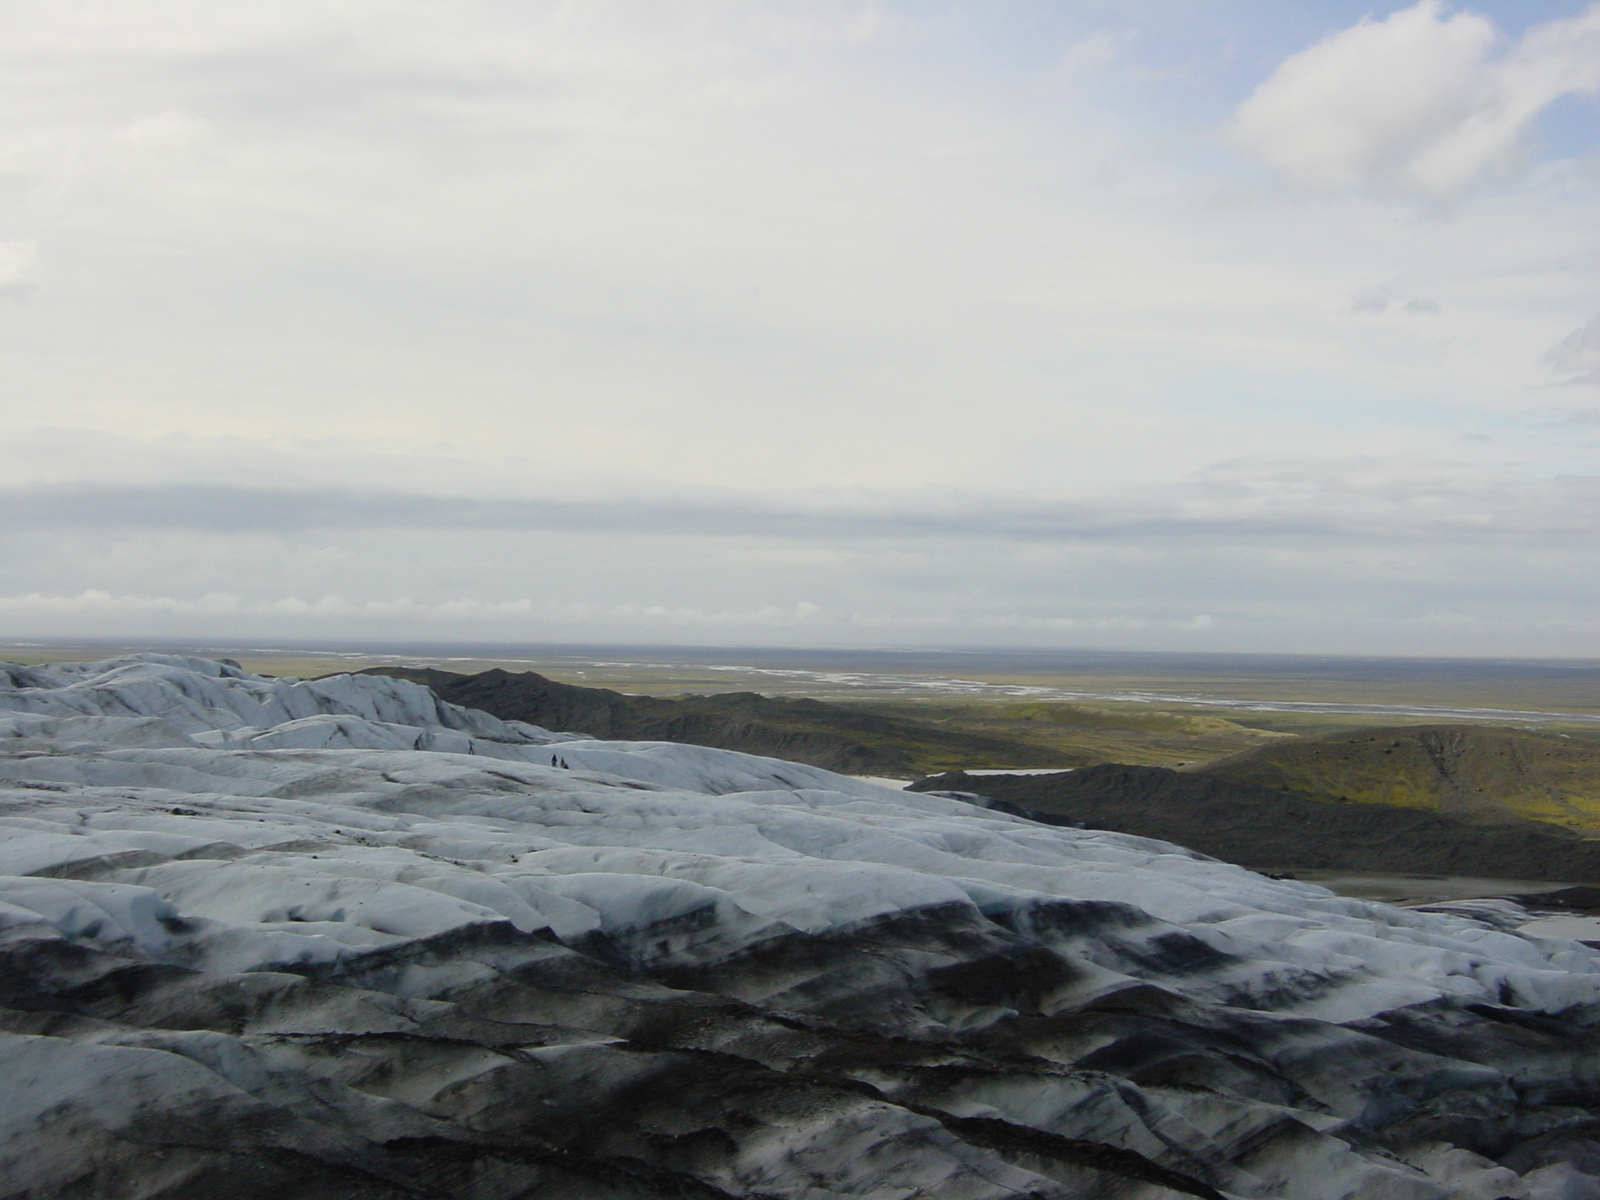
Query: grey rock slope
x=258, y=944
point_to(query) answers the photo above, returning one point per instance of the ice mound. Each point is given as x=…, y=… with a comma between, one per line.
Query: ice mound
x=271, y=937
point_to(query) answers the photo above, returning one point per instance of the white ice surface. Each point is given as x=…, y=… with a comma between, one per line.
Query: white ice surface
x=234, y=822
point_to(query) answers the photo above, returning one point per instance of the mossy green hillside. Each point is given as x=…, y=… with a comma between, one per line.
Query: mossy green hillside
x=1482, y=773
x=1081, y=735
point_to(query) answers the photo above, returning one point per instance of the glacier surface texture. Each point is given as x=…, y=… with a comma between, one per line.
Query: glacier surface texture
x=336, y=938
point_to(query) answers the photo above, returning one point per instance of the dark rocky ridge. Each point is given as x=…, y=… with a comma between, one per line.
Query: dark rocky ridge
x=832, y=736
x=1268, y=828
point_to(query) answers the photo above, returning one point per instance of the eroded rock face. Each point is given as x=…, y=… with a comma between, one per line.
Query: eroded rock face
x=272, y=939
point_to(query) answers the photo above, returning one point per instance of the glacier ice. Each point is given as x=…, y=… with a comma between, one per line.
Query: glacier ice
x=336, y=937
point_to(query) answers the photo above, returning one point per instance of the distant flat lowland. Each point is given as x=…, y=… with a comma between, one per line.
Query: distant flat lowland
x=1287, y=692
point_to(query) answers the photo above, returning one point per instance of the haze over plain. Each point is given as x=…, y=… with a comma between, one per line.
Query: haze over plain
x=1139, y=324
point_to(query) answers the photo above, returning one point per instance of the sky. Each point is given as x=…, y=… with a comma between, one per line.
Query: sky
x=1144, y=324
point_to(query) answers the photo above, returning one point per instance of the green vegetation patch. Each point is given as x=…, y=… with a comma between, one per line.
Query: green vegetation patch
x=1482, y=773
x=1081, y=735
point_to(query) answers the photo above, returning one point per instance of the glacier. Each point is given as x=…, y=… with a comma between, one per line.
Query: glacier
x=337, y=938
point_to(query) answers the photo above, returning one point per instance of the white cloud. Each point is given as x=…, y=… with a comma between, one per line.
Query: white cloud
x=97, y=601
x=134, y=608
x=133, y=613
x=1418, y=104
x=16, y=266
x=1094, y=53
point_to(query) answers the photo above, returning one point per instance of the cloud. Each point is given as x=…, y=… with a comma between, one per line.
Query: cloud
x=1247, y=501
x=1094, y=53
x=1348, y=556
x=1380, y=300
x=1419, y=104
x=1575, y=359
x=97, y=602
x=464, y=615
x=1374, y=300
x=16, y=267
x=922, y=313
